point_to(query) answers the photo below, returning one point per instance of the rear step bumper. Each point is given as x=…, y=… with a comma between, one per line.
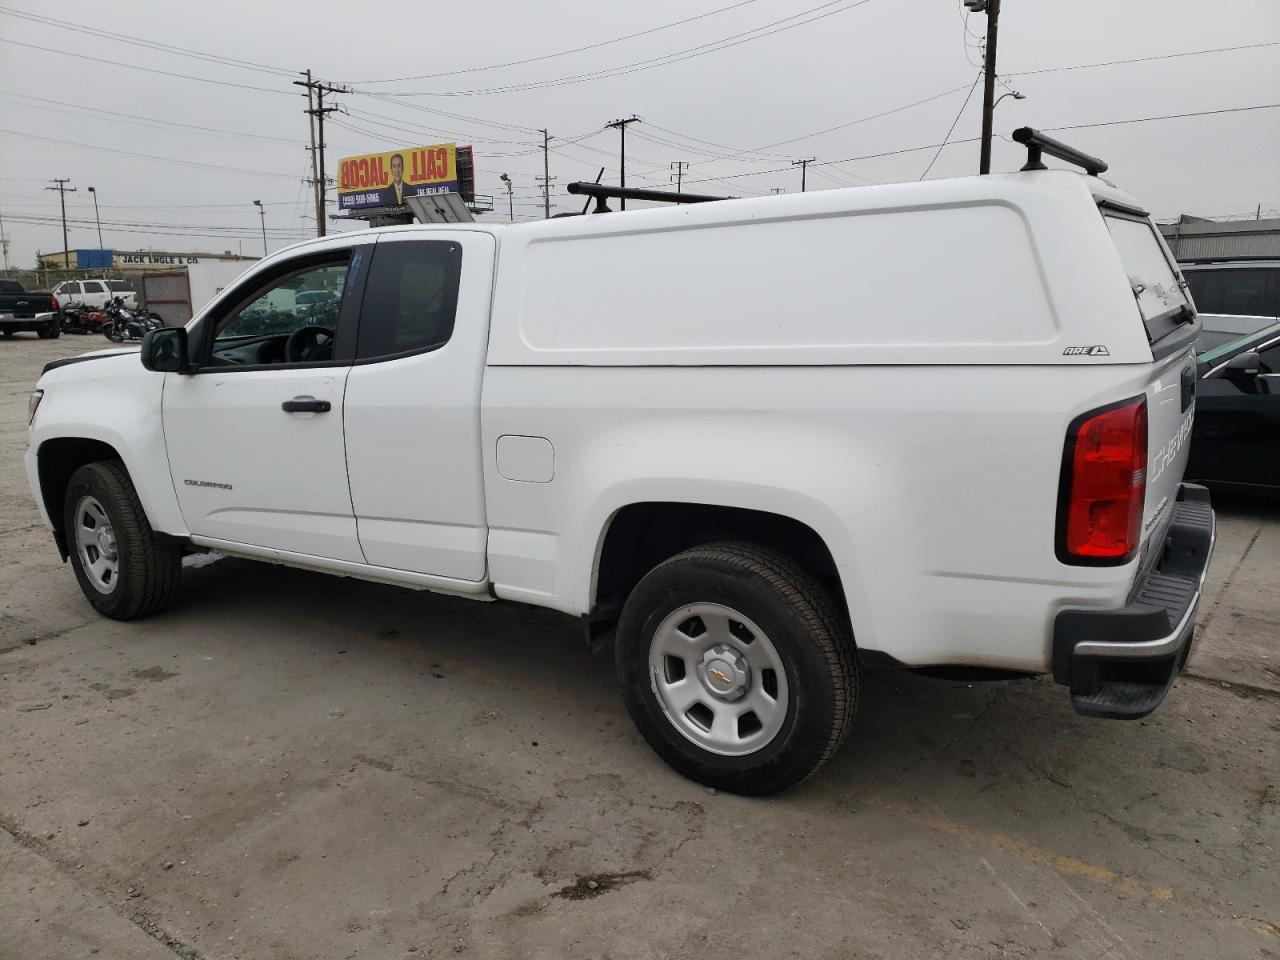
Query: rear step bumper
x=1121, y=663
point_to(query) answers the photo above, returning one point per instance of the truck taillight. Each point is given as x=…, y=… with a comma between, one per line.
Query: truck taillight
x=53, y=304
x=1103, y=485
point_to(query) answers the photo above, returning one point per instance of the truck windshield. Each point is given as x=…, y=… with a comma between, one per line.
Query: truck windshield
x=1151, y=277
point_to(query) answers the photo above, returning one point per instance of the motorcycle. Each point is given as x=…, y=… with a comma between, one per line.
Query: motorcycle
x=124, y=324
x=79, y=318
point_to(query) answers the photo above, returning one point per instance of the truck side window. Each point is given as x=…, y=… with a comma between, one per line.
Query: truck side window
x=410, y=298
x=292, y=318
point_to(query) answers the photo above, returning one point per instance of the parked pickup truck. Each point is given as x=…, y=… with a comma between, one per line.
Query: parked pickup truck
x=22, y=309
x=764, y=444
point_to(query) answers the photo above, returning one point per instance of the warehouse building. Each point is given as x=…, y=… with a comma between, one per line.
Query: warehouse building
x=1194, y=238
x=171, y=283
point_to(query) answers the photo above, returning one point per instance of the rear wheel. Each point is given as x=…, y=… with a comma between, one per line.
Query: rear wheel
x=6, y=334
x=125, y=570
x=49, y=331
x=738, y=667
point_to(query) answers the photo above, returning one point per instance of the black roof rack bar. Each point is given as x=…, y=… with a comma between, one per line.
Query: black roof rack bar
x=1037, y=143
x=602, y=193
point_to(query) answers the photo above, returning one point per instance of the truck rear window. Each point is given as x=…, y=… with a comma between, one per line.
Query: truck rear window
x=1151, y=277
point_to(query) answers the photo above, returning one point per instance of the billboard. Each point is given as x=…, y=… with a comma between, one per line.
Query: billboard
x=385, y=179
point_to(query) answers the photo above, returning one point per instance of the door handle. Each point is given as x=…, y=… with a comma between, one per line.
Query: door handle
x=306, y=405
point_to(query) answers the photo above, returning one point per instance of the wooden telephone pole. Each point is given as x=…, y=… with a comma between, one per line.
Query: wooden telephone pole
x=989, y=81
x=316, y=112
x=621, y=127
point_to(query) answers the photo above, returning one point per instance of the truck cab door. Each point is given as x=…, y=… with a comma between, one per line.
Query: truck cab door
x=413, y=404
x=255, y=435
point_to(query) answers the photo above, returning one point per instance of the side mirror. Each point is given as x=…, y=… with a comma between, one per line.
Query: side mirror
x=1243, y=366
x=165, y=350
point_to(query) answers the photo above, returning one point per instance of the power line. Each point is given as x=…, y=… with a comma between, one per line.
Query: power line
x=134, y=66
x=248, y=234
x=563, y=53
x=734, y=151
x=496, y=124
x=149, y=44
x=713, y=46
x=146, y=156
x=951, y=129
x=89, y=222
x=932, y=146
x=1166, y=116
x=1162, y=56
x=148, y=121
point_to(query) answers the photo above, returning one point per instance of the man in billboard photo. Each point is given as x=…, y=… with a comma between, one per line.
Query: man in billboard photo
x=394, y=193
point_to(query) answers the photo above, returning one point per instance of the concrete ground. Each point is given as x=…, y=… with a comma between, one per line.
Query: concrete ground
x=288, y=765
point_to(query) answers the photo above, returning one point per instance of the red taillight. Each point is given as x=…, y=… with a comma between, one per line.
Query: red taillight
x=53, y=304
x=1104, y=484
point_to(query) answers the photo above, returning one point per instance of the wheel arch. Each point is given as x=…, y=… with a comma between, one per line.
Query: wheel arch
x=57, y=459
x=640, y=534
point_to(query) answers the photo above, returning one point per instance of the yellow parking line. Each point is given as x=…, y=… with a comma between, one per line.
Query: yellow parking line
x=1026, y=851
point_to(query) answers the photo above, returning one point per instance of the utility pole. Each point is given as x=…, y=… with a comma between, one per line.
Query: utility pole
x=621, y=126
x=804, y=169
x=315, y=172
x=63, y=190
x=318, y=113
x=4, y=244
x=680, y=166
x=546, y=174
x=992, y=8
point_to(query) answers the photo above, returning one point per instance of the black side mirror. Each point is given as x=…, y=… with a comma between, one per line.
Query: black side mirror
x=1243, y=366
x=165, y=350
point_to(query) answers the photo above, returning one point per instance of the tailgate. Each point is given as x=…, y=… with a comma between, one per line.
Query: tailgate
x=1170, y=410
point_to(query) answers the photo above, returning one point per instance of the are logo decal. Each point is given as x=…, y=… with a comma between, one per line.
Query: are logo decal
x=1096, y=350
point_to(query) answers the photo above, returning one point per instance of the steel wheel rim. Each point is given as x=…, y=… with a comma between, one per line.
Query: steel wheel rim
x=718, y=679
x=96, y=544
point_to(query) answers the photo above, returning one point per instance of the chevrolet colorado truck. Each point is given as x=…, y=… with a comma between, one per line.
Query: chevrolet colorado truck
x=766, y=445
x=22, y=309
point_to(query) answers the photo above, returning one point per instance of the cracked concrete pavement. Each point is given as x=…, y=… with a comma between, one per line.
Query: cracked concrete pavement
x=288, y=765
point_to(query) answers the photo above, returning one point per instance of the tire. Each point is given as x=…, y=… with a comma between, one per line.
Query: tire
x=49, y=331
x=148, y=568
x=113, y=332
x=6, y=334
x=740, y=594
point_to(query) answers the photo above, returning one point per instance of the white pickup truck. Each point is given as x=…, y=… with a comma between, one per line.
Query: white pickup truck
x=766, y=444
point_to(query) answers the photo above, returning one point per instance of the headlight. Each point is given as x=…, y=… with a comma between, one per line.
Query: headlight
x=33, y=405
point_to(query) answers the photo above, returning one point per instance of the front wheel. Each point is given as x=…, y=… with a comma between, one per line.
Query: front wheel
x=113, y=332
x=125, y=570
x=738, y=667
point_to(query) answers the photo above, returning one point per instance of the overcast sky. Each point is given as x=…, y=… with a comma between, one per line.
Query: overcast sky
x=738, y=92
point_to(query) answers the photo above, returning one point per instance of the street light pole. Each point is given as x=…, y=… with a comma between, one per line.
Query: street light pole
x=262, y=212
x=96, y=218
x=511, y=206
